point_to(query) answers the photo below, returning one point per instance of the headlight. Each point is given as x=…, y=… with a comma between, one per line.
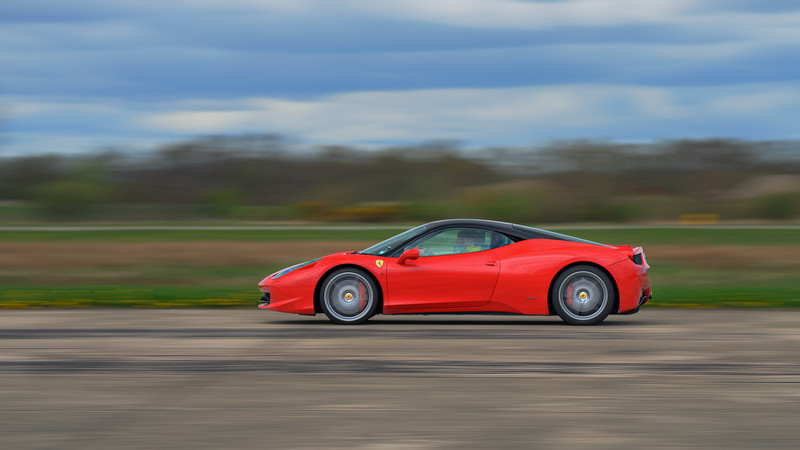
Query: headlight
x=283, y=272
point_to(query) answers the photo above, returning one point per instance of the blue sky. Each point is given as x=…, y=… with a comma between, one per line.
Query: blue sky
x=85, y=75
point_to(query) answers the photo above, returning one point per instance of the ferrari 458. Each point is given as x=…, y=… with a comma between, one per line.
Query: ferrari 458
x=467, y=266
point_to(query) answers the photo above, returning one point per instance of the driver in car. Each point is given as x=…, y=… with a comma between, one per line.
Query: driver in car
x=469, y=241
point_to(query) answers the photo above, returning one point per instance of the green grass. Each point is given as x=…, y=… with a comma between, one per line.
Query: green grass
x=729, y=296
x=691, y=284
x=197, y=235
x=33, y=297
x=632, y=236
x=703, y=236
x=156, y=274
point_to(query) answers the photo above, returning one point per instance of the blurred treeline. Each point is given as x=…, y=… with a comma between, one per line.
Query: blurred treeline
x=267, y=178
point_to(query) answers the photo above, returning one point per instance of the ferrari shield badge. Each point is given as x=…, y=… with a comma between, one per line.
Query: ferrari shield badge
x=379, y=263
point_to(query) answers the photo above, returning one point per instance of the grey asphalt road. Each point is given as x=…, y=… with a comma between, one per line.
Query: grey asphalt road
x=124, y=378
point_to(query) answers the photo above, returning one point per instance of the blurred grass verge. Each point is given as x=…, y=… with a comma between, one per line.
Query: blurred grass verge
x=197, y=235
x=39, y=297
x=692, y=267
x=742, y=295
x=607, y=234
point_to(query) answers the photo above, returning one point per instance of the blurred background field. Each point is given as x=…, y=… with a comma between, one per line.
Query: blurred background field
x=718, y=218
x=692, y=267
x=264, y=178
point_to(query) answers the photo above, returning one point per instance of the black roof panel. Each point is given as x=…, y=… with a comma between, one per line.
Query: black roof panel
x=520, y=232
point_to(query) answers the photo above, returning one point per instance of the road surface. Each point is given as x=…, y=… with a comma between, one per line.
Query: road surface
x=126, y=378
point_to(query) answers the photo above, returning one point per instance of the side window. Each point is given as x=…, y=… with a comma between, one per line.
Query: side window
x=453, y=241
x=500, y=239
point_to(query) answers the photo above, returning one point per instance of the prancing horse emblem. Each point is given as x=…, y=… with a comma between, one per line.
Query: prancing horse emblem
x=379, y=263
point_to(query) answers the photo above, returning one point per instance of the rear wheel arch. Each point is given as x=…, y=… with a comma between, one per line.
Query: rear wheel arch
x=615, y=300
x=317, y=304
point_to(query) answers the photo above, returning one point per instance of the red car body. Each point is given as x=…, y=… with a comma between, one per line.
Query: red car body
x=514, y=278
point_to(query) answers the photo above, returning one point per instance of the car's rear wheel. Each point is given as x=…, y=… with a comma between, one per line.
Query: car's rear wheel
x=583, y=295
x=348, y=296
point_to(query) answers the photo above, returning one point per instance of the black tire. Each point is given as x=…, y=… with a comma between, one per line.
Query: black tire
x=582, y=295
x=348, y=296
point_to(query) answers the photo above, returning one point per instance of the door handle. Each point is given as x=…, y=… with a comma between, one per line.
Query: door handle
x=491, y=263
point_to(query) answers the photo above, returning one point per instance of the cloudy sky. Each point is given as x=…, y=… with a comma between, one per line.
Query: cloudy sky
x=82, y=75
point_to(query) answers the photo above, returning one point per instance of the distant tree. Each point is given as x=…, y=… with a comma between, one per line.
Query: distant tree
x=69, y=199
x=564, y=181
x=19, y=175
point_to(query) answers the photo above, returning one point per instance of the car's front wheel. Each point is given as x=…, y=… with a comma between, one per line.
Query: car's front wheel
x=583, y=295
x=348, y=296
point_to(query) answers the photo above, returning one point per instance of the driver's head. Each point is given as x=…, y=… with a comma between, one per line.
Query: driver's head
x=469, y=239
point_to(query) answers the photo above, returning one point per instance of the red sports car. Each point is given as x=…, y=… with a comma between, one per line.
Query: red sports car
x=467, y=266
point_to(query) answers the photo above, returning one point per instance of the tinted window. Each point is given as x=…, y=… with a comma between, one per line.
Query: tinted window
x=500, y=239
x=453, y=241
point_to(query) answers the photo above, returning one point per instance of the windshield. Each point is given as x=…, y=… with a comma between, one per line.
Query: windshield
x=385, y=247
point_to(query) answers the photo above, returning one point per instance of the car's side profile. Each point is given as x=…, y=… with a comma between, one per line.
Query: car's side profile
x=467, y=266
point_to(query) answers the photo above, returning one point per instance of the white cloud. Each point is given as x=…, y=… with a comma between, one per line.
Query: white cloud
x=138, y=68
x=364, y=116
x=527, y=15
x=28, y=37
x=200, y=121
x=752, y=27
x=755, y=102
x=23, y=144
x=699, y=16
x=23, y=108
x=510, y=116
x=255, y=5
x=486, y=115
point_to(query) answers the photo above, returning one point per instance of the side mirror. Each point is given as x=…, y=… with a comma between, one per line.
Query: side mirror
x=411, y=254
